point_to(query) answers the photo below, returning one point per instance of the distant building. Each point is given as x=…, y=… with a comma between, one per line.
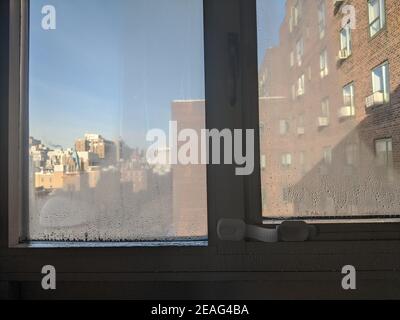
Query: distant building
x=95, y=143
x=189, y=184
x=330, y=111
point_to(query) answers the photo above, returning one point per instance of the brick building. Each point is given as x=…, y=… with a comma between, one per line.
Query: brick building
x=189, y=184
x=95, y=143
x=329, y=110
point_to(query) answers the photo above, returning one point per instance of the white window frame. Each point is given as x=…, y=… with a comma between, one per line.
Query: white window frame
x=380, y=19
x=322, y=19
x=323, y=63
x=349, y=88
x=346, y=40
x=381, y=84
x=300, y=51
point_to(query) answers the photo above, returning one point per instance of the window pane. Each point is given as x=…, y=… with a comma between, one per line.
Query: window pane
x=344, y=150
x=102, y=75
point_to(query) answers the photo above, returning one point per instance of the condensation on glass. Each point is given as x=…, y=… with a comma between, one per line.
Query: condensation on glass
x=329, y=79
x=101, y=76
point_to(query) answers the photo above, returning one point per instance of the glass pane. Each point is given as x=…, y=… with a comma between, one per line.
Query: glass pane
x=102, y=75
x=339, y=158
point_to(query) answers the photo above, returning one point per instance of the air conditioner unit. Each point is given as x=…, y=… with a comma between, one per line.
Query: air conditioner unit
x=323, y=122
x=374, y=100
x=300, y=92
x=345, y=112
x=300, y=131
x=343, y=54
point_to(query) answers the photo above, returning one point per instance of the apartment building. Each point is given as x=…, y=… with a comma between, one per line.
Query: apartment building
x=329, y=110
x=95, y=143
x=189, y=183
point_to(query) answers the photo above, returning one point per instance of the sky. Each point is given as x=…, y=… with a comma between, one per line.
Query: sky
x=270, y=15
x=114, y=67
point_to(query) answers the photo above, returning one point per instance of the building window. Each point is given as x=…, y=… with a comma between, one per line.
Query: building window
x=323, y=63
x=295, y=14
x=283, y=127
x=348, y=108
x=263, y=160
x=291, y=59
x=300, y=125
x=380, y=81
x=286, y=160
x=108, y=168
x=345, y=41
x=323, y=120
x=327, y=153
x=322, y=19
x=303, y=162
x=301, y=90
x=384, y=152
x=299, y=51
x=351, y=154
x=376, y=13
x=285, y=195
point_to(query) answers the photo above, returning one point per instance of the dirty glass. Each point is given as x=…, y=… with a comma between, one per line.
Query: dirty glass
x=102, y=74
x=329, y=79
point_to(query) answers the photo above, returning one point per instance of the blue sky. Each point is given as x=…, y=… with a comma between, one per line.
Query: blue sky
x=270, y=14
x=114, y=67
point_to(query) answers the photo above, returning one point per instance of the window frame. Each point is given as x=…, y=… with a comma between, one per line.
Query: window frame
x=322, y=19
x=217, y=117
x=385, y=66
x=351, y=86
x=371, y=248
x=323, y=63
x=382, y=15
x=347, y=44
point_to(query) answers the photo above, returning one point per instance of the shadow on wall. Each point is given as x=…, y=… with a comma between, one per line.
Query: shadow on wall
x=362, y=176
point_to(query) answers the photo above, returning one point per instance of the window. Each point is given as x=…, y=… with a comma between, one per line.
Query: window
x=286, y=160
x=380, y=81
x=321, y=19
x=296, y=13
x=348, y=108
x=328, y=118
x=300, y=122
x=345, y=41
x=301, y=90
x=90, y=116
x=306, y=197
x=384, y=152
x=351, y=154
x=286, y=195
x=303, y=162
x=377, y=18
x=283, y=127
x=323, y=63
x=300, y=125
x=325, y=108
x=327, y=155
x=299, y=51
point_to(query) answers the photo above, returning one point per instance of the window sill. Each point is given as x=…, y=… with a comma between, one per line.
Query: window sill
x=141, y=244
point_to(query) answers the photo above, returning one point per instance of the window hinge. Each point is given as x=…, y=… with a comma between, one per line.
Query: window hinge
x=288, y=231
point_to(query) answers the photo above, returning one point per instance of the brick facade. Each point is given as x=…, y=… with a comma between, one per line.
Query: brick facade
x=333, y=169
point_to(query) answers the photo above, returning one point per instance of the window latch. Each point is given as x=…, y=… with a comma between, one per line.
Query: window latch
x=288, y=231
